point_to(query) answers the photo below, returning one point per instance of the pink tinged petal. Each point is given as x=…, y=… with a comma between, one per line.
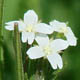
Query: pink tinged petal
x=31, y=37
x=35, y=52
x=42, y=39
x=30, y=17
x=24, y=37
x=72, y=40
x=55, y=61
x=10, y=25
x=43, y=28
x=59, y=44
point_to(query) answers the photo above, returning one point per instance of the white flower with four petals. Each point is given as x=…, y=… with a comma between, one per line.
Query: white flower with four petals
x=31, y=27
x=48, y=49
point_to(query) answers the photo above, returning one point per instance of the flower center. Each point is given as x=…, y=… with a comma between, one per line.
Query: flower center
x=29, y=28
x=47, y=50
x=63, y=30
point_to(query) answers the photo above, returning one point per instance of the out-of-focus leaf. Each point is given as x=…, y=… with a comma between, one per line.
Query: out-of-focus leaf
x=1, y=39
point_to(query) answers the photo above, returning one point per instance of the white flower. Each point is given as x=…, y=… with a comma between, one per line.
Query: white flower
x=61, y=27
x=10, y=25
x=48, y=49
x=30, y=26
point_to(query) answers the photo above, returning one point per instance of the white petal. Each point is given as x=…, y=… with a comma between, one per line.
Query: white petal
x=55, y=60
x=30, y=17
x=24, y=37
x=10, y=25
x=22, y=26
x=54, y=22
x=31, y=37
x=9, y=28
x=52, y=61
x=42, y=39
x=11, y=22
x=72, y=40
x=58, y=60
x=56, y=25
x=59, y=44
x=35, y=52
x=44, y=28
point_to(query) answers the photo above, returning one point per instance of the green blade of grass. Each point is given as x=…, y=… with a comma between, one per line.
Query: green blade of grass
x=19, y=64
x=1, y=34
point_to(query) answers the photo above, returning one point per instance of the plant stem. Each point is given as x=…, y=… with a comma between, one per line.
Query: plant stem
x=1, y=34
x=19, y=64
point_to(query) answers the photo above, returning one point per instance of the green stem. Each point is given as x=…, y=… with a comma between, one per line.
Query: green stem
x=1, y=62
x=1, y=34
x=25, y=76
x=19, y=64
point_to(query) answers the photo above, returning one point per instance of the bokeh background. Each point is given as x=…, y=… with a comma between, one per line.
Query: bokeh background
x=47, y=10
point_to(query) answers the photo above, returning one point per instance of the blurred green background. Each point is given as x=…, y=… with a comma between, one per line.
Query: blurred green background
x=47, y=10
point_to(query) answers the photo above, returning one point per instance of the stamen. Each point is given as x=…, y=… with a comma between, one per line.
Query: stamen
x=29, y=28
x=63, y=29
x=47, y=50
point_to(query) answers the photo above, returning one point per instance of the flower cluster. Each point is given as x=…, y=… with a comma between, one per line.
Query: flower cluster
x=32, y=30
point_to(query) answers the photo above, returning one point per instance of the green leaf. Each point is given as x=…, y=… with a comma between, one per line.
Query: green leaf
x=1, y=34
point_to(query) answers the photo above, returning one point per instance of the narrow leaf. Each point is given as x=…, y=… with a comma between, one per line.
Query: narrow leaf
x=1, y=34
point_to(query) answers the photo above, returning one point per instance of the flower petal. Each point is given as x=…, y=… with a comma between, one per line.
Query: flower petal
x=72, y=40
x=35, y=52
x=22, y=26
x=52, y=61
x=10, y=25
x=24, y=37
x=58, y=60
x=30, y=17
x=31, y=38
x=9, y=28
x=44, y=28
x=11, y=22
x=56, y=25
x=55, y=60
x=59, y=44
x=42, y=39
